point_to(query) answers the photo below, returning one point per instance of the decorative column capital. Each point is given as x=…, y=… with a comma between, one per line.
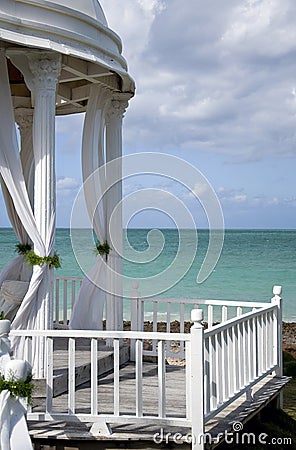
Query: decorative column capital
x=24, y=118
x=45, y=68
x=117, y=106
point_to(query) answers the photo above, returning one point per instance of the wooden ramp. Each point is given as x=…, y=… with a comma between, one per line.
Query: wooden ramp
x=61, y=435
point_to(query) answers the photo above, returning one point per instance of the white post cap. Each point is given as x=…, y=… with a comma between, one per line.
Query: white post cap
x=196, y=315
x=277, y=290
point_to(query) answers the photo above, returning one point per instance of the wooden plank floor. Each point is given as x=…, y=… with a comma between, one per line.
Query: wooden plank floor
x=82, y=363
x=241, y=410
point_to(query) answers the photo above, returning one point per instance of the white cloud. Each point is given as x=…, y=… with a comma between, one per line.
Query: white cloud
x=67, y=186
x=208, y=78
x=239, y=198
x=200, y=189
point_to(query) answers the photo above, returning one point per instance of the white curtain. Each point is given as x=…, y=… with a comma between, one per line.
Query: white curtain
x=12, y=174
x=17, y=269
x=89, y=305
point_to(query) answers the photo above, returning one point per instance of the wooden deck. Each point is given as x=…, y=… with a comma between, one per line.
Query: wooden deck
x=60, y=435
x=147, y=404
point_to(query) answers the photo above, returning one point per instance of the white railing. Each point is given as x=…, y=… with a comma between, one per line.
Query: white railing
x=166, y=311
x=71, y=414
x=139, y=310
x=66, y=289
x=153, y=313
x=221, y=364
x=238, y=354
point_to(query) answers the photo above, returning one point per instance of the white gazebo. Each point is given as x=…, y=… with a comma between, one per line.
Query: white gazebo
x=57, y=57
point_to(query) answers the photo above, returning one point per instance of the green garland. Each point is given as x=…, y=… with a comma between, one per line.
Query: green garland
x=2, y=316
x=103, y=249
x=23, y=249
x=36, y=260
x=18, y=388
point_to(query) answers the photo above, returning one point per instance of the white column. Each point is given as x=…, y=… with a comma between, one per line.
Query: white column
x=117, y=107
x=24, y=119
x=45, y=68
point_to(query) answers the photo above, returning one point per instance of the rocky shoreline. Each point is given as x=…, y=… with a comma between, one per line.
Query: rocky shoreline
x=289, y=329
x=289, y=332
x=289, y=338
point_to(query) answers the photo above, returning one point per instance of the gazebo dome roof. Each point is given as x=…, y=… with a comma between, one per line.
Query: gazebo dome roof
x=91, y=8
x=78, y=30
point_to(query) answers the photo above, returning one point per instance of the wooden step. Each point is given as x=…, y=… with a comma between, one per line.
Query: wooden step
x=82, y=366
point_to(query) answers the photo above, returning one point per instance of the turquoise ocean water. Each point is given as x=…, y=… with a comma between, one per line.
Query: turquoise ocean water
x=251, y=262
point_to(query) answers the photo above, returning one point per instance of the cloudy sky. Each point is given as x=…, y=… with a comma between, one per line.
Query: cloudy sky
x=216, y=86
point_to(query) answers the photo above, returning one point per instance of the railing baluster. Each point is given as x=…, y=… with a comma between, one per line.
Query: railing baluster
x=236, y=358
x=224, y=313
x=213, y=372
x=225, y=367
x=210, y=316
x=260, y=344
x=168, y=321
x=188, y=380
x=116, y=377
x=253, y=349
x=265, y=337
x=182, y=315
x=239, y=311
x=242, y=354
x=270, y=339
x=65, y=303
x=71, y=376
x=231, y=362
x=246, y=341
x=207, y=381
x=57, y=301
x=139, y=378
x=94, y=377
x=73, y=293
x=28, y=349
x=49, y=375
x=219, y=368
x=155, y=310
x=161, y=380
x=182, y=326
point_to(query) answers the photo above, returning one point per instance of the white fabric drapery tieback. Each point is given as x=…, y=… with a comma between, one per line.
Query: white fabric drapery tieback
x=14, y=433
x=4, y=352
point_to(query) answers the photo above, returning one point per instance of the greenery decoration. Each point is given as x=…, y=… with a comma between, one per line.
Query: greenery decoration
x=18, y=388
x=2, y=316
x=23, y=249
x=103, y=249
x=36, y=260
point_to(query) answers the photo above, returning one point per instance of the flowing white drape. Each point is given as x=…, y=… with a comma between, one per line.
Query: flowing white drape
x=89, y=305
x=17, y=269
x=12, y=174
x=14, y=433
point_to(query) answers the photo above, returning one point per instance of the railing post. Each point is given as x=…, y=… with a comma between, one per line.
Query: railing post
x=135, y=315
x=277, y=300
x=197, y=379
